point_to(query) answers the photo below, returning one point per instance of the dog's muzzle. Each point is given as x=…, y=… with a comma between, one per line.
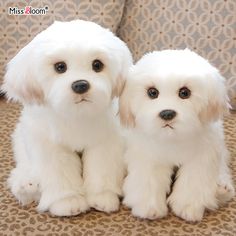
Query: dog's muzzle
x=80, y=86
x=167, y=114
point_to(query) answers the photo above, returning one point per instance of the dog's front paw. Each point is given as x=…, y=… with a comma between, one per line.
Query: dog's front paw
x=189, y=211
x=104, y=201
x=69, y=206
x=151, y=212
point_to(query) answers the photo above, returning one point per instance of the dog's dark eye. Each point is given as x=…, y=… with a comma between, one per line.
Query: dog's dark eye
x=97, y=65
x=152, y=93
x=184, y=93
x=60, y=67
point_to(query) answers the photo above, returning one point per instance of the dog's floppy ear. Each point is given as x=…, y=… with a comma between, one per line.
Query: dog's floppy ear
x=217, y=98
x=125, y=60
x=119, y=86
x=127, y=117
x=19, y=82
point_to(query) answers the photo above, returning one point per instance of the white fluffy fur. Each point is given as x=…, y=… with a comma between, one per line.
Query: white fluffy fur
x=195, y=144
x=55, y=124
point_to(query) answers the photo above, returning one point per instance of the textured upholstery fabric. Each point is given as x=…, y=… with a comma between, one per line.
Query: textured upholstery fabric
x=207, y=27
x=17, y=30
x=146, y=25
x=18, y=220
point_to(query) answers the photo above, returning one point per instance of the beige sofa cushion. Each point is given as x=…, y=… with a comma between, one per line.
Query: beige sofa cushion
x=17, y=31
x=206, y=26
x=26, y=221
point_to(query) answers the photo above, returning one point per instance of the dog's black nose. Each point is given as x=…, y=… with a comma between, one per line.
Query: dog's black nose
x=80, y=86
x=167, y=114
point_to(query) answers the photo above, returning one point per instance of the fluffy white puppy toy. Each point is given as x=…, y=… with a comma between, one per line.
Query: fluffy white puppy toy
x=66, y=78
x=173, y=102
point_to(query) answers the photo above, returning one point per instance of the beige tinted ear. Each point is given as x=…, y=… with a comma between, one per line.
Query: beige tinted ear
x=125, y=61
x=119, y=86
x=127, y=117
x=19, y=82
x=217, y=99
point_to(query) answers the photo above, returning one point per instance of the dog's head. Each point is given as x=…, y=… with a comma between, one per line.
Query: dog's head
x=70, y=65
x=172, y=91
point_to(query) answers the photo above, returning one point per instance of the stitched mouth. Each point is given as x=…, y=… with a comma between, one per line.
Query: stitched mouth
x=168, y=126
x=82, y=100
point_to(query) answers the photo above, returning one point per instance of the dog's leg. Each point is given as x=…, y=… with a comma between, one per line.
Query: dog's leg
x=225, y=190
x=61, y=181
x=103, y=174
x=146, y=187
x=195, y=187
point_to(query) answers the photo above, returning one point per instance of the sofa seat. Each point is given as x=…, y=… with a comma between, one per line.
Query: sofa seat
x=25, y=220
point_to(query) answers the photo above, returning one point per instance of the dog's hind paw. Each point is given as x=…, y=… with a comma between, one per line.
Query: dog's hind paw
x=225, y=192
x=25, y=190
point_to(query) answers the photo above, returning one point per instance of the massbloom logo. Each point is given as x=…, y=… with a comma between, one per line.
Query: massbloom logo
x=28, y=10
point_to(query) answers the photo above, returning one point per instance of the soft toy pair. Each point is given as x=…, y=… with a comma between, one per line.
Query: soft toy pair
x=172, y=103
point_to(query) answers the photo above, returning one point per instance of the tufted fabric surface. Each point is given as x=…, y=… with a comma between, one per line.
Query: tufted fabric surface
x=18, y=220
x=207, y=27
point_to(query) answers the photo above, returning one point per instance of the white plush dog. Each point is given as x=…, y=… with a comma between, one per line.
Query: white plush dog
x=67, y=77
x=173, y=102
